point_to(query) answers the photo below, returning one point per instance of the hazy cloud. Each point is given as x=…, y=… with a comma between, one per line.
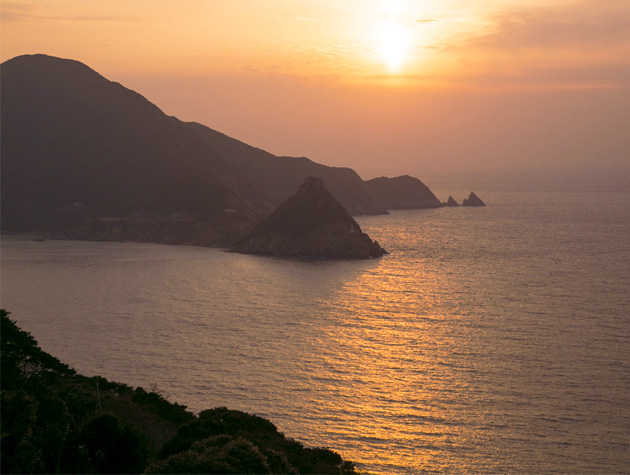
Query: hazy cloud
x=302, y=18
x=21, y=12
x=12, y=12
x=585, y=24
x=608, y=76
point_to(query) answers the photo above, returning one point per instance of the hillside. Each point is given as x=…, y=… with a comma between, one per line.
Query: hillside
x=273, y=179
x=77, y=148
x=86, y=158
x=403, y=192
x=57, y=421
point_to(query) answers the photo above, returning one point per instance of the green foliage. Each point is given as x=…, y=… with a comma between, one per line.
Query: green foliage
x=21, y=359
x=52, y=423
x=47, y=411
x=221, y=421
x=113, y=447
x=283, y=455
x=170, y=411
x=217, y=454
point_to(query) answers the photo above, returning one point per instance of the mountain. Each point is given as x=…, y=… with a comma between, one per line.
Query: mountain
x=403, y=192
x=273, y=179
x=81, y=154
x=309, y=224
x=86, y=158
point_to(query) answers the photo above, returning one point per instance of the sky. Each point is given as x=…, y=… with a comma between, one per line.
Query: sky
x=387, y=87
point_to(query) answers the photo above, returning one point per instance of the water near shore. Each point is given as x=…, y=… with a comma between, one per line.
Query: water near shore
x=491, y=339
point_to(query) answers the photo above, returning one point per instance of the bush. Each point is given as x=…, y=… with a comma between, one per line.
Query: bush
x=113, y=447
x=217, y=454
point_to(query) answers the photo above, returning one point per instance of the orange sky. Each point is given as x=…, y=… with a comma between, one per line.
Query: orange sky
x=386, y=87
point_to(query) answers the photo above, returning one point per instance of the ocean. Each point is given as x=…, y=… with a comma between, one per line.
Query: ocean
x=492, y=339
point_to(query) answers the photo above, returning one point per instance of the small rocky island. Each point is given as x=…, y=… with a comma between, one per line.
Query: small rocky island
x=309, y=224
x=473, y=200
x=450, y=202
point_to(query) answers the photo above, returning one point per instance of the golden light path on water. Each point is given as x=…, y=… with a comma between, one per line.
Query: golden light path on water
x=384, y=366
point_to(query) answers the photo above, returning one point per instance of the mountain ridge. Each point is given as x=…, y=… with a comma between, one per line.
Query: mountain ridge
x=83, y=157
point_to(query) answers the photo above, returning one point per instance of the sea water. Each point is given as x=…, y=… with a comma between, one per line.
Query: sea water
x=492, y=339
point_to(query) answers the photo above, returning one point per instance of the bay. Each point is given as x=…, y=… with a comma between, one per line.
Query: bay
x=491, y=339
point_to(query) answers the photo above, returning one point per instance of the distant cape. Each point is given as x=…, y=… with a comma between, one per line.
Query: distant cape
x=403, y=192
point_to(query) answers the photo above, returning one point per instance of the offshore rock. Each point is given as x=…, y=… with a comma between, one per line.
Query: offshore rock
x=473, y=200
x=309, y=224
x=451, y=202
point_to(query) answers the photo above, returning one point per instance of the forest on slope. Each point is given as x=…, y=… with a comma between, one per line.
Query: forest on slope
x=57, y=421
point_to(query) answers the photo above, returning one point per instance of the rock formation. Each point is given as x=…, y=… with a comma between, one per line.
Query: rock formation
x=310, y=224
x=473, y=200
x=451, y=202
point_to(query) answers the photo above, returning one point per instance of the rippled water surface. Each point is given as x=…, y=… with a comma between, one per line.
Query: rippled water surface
x=491, y=339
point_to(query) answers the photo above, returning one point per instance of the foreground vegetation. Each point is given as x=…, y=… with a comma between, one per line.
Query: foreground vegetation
x=57, y=421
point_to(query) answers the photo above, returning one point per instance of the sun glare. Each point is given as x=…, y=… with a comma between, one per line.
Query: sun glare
x=394, y=36
x=394, y=44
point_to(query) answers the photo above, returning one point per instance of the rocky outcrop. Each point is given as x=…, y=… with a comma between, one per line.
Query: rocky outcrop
x=451, y=202
x=310, y=224
x=473, y=200
x=403, y=192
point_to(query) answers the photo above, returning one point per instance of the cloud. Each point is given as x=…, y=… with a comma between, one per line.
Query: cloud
x=21, y=12
x=587, y=24
x=302, y=18
x=427, y=20
x=582, y=45
x=607, y=76
x=13, y=12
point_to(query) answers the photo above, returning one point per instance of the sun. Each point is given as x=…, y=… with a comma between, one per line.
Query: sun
x=394, y=40
x=394, y=35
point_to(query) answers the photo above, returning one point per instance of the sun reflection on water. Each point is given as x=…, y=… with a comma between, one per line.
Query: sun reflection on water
x=394, y=364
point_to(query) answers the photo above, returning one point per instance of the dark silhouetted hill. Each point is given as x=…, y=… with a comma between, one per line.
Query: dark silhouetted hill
x=77, y=148
x=87, y=158
x=84, y=157
x=310, y=224
x=403, y=192
x=272, y=179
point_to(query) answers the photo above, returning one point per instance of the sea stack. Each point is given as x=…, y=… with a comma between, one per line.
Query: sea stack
x=309, y=224
x=473, y=200
x=451, y=202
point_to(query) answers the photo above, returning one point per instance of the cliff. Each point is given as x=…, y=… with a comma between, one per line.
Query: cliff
x=309, y=224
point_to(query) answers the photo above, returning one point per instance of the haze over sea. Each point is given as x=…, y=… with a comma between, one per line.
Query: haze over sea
x=491, y=339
